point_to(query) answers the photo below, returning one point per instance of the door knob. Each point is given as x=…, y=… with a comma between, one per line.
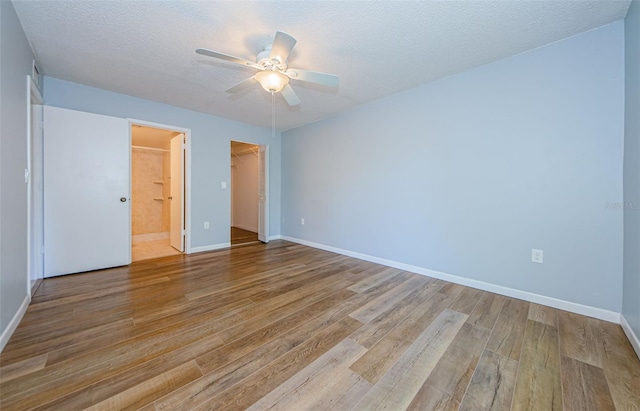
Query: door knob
x=170, y=198
x=123, y=199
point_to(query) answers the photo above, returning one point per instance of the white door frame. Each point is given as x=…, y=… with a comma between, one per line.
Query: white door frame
x=265, y=214
x=187, y=171
x=33, y=97
x=176, y=190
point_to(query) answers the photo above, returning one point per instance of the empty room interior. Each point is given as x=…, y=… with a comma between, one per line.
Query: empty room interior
x=320, y=205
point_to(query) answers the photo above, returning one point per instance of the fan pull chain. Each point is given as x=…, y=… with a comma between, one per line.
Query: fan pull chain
x=273, y=115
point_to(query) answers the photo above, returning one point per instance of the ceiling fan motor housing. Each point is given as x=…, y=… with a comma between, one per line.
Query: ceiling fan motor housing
x=270, y=64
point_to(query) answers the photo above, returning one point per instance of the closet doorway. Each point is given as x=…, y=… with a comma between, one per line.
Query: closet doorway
x=245, y=182
x=157, y=192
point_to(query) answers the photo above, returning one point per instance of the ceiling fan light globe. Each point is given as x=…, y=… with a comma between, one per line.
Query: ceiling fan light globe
x=272, y=81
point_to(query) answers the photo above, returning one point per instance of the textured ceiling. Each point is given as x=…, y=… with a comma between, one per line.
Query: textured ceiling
x=147, y=48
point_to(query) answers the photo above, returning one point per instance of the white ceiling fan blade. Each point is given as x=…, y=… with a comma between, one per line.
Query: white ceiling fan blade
x=324, y=79
x=244, y=83
x=282, y=46
x=233, y=59
x=290, y=96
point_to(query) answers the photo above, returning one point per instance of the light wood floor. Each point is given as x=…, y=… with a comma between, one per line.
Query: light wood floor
x=290, y=327
x=241, y=236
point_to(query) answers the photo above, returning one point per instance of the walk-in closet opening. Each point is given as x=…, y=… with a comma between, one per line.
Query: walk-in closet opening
x=244, y=192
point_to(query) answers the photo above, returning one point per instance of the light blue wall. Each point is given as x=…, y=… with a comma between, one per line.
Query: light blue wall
x=467, y=174
x=631, y=287
x=210, y=153
x=15, y=64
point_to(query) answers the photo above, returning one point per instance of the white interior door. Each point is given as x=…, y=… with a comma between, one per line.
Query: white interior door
x=87, y=216
x=263, y=194
x=176, y=200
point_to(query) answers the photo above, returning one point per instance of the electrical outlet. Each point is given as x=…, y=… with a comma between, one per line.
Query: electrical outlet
x=536, y=256
x=302, y=221
x=206, y=225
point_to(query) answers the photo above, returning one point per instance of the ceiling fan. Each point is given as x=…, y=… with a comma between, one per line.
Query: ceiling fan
x=274, y=73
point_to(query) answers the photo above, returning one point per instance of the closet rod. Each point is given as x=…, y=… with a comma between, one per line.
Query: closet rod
x=247, y=151
x=151, y=148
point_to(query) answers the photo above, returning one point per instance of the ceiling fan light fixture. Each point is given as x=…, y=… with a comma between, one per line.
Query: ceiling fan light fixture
x=273, y=70
x=272, y=81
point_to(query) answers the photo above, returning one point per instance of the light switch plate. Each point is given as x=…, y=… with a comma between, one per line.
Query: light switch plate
x=223, y=185
x=536, y=256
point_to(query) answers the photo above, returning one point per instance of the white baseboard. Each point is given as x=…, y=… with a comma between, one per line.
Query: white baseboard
x=589, y=311
x=211, y=247
x=275, y=237
x=13, y=324
x=633, y=338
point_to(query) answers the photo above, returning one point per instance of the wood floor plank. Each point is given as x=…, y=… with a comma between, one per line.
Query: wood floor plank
x=24, y=367
x=374, y=280
x=538, y=385
x=137, y=375
x=386, y=301
x=20, y=352
x=579, y=339
x=77, y=298
x=372, y=332
x=243, y=328
x=507, y=335
x=543, y=314
x=466, y=301
x=308, y=386
x=341, y=392
x=455, y=369
x=383, y=355
x=452, y=289
x=486, y=312
x=433, y=399
x=397, y=388
x=71, y=375
x=314, y=281
x=196, y=315
x=145, y=393
x=312, y=314
x=584, y=387
x=293, y=280
x=260, y=383
x=242, y=236
x=492, y=385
